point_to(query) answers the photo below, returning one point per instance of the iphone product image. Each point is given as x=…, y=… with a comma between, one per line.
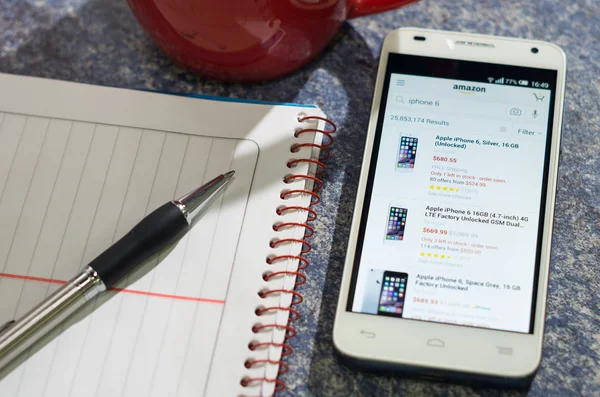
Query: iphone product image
x=407, y=153
x=481, y=101
x=396, y=224
x=393, y=293
x=372, y=291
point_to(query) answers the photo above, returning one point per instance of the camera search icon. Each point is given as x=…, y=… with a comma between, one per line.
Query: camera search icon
x=515, y=112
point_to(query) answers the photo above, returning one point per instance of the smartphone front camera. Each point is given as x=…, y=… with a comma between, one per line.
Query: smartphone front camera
x=535, y=50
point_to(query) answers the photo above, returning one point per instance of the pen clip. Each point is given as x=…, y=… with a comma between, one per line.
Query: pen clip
x=6, y=326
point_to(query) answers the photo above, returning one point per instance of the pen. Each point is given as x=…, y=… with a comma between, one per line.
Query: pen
x=150, y=235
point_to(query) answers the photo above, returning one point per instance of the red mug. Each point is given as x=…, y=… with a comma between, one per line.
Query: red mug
x=248, y=40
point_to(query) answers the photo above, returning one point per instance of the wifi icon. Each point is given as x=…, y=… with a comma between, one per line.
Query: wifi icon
x=491, y=79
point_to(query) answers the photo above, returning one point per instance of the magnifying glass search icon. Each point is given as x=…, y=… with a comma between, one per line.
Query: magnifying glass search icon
x=400, y=99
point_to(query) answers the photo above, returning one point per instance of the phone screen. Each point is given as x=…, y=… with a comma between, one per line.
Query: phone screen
x=396, y=224
x=393, y=290
x=464, y=147
x=407, y=152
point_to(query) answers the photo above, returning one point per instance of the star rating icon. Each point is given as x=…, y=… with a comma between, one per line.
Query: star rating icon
x=433, y=255
x=443, y=188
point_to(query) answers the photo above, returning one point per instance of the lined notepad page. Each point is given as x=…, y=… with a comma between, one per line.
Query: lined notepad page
x=68, y=189
x=79, y=166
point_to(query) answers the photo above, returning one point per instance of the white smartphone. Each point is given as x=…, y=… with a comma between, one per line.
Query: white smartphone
x=463, y=297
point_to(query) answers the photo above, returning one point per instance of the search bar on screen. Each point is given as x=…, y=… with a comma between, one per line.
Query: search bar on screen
x=453, y=106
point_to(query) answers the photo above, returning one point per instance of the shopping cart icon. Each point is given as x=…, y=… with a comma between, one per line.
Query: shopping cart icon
x=538, y=97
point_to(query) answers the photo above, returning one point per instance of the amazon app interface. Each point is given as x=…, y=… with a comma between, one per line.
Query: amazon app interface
x=455, y=202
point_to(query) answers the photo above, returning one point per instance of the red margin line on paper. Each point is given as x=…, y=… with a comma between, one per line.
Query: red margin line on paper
x=124, y=290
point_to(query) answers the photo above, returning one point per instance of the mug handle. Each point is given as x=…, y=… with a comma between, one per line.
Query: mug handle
x=366, y=7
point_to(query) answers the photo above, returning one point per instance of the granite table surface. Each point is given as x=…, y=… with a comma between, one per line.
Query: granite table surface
x=100, y=42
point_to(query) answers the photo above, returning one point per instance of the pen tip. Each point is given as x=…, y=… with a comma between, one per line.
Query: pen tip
x=229, y=174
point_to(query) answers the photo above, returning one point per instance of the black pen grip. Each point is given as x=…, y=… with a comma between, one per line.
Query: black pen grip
x=148, y=237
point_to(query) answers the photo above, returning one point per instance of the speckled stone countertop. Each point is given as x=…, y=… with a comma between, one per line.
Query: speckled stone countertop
x=100, y=42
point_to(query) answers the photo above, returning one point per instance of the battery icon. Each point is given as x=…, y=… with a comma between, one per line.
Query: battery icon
x=523, y=82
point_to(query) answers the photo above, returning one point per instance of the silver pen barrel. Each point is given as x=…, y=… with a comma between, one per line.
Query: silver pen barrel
x=18, y=337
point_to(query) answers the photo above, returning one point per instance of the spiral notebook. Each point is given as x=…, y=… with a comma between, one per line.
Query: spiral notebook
x=210, y=316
